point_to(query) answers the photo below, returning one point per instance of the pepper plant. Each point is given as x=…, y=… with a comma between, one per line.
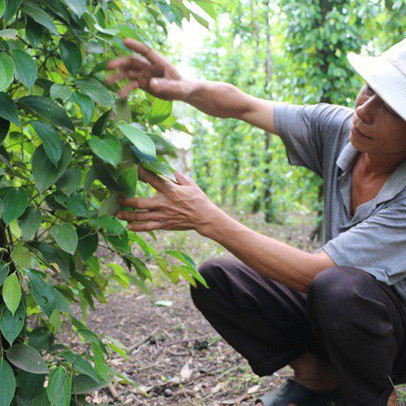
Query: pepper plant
x=69, y=148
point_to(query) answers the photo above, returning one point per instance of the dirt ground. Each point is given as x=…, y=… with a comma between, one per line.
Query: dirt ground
x=174, y=356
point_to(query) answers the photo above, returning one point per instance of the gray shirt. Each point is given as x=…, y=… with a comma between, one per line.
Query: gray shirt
x=374, y=238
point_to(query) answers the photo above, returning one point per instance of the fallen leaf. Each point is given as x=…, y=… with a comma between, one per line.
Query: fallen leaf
x=186, y=372
x=164, y=303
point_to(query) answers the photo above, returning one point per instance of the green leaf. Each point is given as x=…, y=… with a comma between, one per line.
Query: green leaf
x=29, y=385
x=78, y=363
x=77, y=6
x=87, y=244
x=14, y=204
x=53, y=145
x=59, y=387
x=160, y=168
x=4, y=129
x=11, y=325
x=70, y=181
x=110, y=224
x=6, y=71
x=12, y=292
x=76, y=204
x=103, y=173
x=41, y=338
x=127, y=181
x=46, y=296
x=7, y=383
x=41, y=399
x=2, y=7
x=30, y=222
x=101, y=123
x=110, y=205
x=145, y=148
x=34, y=32
x=94, y=89
x=160, y=110
x=86, y=105
x=61, y=92
x=100, y=366
x=207, y=6
x=181, y=256
x=21, y=256
x=53, y=255
x=3, y=272
x=8, y=34
x=27, y=358
x=123, y=111
x=84, y=384
x=44, y=171
x=66, y=237
x=109, y=148
x=48, y=109
x=25, y=67
x=71, y=56
x=120, y=242
x=40, y=16
x=12, y=7
x=8, y=109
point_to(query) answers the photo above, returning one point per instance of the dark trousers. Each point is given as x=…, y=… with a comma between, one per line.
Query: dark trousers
x=347, y=318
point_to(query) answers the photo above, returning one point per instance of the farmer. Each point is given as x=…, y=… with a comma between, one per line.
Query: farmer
x=337, y=316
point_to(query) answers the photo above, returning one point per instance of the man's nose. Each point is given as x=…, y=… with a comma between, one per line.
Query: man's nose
x=367, y=111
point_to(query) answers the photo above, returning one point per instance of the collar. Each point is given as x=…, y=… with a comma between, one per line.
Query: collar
x=393, y=186
x=346, y=157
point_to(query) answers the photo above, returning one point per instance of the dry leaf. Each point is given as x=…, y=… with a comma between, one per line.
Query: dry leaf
x=186, y=372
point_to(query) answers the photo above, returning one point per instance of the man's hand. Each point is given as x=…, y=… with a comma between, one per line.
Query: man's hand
x=147, y=70
x=176, y=206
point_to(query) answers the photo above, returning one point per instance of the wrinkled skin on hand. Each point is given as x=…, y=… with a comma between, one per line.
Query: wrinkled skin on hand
x=175, y=206
x=148, y=70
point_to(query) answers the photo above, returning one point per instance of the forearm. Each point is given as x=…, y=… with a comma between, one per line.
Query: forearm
x=227, y=101
x=217, y=99
x=279, y=261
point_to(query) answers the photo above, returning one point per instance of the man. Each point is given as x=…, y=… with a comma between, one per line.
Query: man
x=337, y=316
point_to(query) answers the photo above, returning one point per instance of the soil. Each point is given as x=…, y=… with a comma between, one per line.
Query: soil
x=174, y=356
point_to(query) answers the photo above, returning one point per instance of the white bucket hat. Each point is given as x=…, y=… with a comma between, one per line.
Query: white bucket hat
x=385, y=74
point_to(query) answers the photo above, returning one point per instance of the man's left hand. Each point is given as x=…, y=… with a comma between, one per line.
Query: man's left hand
x=175, y=206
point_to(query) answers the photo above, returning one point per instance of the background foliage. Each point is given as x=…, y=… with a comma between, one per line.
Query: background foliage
x=69, y=147
x=292, y=51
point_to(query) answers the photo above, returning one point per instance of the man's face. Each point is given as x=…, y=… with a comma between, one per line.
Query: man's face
x=377, y=129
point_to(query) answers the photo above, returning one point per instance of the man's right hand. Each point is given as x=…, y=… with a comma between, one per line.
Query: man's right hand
x=149, y=71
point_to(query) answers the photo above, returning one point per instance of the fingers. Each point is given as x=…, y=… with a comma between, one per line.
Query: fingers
x=143, y=203
x=117, y=77
x=182, y=179
x=126, y=90
x=143, y=49
x=155, y=181
x=146, y=226
x=139, y=216
x=134, y=62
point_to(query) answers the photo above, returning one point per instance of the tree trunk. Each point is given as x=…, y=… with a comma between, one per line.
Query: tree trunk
x=268, y=198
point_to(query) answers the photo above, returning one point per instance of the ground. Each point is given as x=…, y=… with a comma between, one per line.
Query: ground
x=174, y=356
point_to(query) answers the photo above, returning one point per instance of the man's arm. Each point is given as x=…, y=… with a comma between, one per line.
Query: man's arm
x=281, y=262
x=184, y=206
x=148, y=70
x=227, y=101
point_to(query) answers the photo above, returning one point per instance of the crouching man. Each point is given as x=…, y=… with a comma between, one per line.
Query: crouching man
x=338, y=316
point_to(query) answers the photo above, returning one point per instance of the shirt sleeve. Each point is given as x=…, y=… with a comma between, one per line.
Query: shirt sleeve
x=377, y=245
x=311, y=133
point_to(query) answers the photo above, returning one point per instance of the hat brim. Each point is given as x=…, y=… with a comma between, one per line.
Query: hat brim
x=384, y=78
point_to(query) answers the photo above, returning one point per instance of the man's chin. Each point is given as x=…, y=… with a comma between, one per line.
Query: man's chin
x=358, y=144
